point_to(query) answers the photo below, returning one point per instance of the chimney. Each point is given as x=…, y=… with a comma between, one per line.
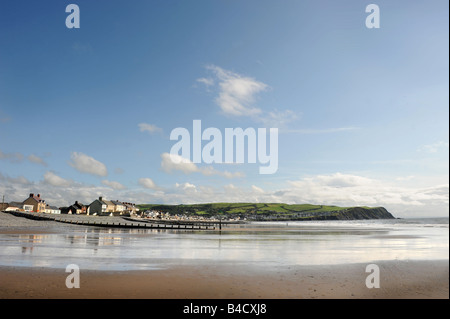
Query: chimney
x=100, y=198
x=39, y=195
x=31, y=195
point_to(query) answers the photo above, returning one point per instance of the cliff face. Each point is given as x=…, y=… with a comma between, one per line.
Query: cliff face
x=356, y=213
x=365, y=213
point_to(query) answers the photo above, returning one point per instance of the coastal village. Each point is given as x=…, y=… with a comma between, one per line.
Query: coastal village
x=36, y=203
x=222, y=211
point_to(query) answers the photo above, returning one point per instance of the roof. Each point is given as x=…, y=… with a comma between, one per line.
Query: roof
x=78, y=205
x=37, y=199
x=108, y=202
x=116, y=202
x=102, y=202
x=15, y=204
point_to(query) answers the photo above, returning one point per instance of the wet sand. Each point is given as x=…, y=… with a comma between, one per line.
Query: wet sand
x=199, y=280
x=398, y=279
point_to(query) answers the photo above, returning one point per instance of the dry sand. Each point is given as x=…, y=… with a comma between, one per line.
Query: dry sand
x=398, y=279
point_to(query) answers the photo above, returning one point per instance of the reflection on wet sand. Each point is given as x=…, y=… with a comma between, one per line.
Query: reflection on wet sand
x=260, y=244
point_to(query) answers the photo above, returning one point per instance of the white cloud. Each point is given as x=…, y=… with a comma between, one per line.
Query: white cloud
x=86, y=164
x=113, y=185
x=343, y=180
x=349, y=190
x=55, y=180
x=187, y=188
x=236, y=93
x=422, y=196
x=36, y=159
x=174, y=162
x=147, y=183
x=151, y=128
x=237, y=96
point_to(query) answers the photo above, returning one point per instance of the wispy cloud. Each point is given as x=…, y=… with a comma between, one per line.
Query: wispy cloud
x=237, y=96
x=87, y=164
x=150, y=128
x=37, y=160
x=322, y=131
x=434, y=147
x=114, y=185
x=19, y=180
x=12, y=157
x=206, y=81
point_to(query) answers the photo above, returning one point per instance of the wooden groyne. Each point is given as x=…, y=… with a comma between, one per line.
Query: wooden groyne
x=111, y=221
x=213, y=223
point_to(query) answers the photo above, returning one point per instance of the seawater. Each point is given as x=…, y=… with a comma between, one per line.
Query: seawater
x=260, y=244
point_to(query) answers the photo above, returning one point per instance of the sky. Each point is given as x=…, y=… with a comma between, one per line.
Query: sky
x=362, y=113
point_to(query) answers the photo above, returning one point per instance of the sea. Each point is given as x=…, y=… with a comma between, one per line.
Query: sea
x=258, y=244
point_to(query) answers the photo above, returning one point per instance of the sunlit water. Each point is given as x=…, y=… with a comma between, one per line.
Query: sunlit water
x=260, y=244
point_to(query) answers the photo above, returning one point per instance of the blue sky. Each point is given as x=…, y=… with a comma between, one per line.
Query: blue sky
x=362, y=113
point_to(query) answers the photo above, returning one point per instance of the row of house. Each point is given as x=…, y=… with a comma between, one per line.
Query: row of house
x=35, y=203
x=102, y=205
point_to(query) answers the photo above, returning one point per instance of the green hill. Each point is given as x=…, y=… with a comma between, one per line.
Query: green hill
x=271, y=211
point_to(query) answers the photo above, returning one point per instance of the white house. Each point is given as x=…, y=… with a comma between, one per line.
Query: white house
x=52, y=210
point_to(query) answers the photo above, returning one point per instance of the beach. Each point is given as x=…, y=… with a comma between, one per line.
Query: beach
x=34, y=255
x=413, y=279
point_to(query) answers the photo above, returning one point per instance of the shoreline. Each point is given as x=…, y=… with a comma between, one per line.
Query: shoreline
x=398, y=280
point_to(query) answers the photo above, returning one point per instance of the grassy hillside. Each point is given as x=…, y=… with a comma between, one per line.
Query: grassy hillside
x=271, y=211
x=241, y=208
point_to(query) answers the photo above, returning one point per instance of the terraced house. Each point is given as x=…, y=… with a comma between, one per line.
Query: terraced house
x=103, y=206
x=98, y=206
x=37, y=202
